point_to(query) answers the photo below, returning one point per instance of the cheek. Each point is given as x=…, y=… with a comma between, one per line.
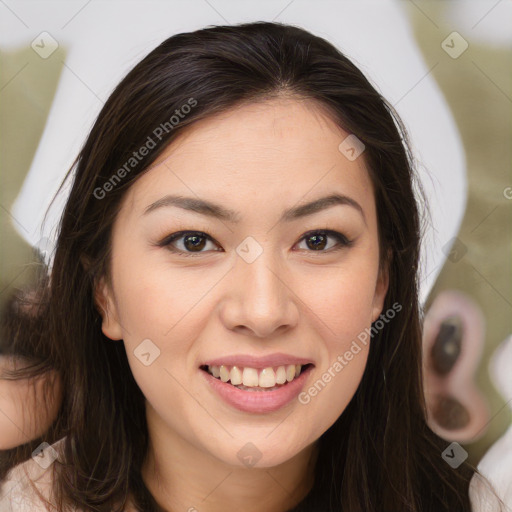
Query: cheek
x=161, y=316
x=158, y=312
x=156, y=302
x=343, y=299
x=342, y=303
x=334, y=384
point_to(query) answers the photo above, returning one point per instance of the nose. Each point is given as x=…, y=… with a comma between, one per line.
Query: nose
x=259, y=298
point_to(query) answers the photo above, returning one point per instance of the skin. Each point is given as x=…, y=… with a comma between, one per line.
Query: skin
x=292, y=299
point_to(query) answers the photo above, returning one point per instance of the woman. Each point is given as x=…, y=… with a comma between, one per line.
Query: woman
x=242, y=216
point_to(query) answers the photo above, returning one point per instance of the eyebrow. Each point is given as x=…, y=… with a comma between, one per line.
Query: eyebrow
x=217, y=211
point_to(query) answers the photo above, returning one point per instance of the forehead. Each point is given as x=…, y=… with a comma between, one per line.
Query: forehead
x=269, y=152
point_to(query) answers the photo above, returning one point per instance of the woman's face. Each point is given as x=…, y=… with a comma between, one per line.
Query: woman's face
x=259, y=287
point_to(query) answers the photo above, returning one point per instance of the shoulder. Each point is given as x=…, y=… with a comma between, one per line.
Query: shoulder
x=484, y=496
x=496, y=464
x=28, y=487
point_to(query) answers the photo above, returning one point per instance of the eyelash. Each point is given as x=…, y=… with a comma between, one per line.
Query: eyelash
x=342, y=240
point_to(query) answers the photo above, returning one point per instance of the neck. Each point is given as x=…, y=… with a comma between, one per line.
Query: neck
x=181, y=477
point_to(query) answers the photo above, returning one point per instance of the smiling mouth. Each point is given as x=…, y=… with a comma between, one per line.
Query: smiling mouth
x=253, y=379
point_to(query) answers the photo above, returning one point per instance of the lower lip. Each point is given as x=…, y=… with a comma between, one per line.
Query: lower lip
x=258, y=401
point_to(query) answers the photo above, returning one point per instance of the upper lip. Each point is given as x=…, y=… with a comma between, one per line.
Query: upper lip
x=245, y=360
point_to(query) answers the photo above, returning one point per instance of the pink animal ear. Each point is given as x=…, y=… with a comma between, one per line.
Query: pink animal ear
x=453, y=340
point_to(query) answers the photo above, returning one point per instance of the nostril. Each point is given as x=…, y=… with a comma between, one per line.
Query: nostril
x=447, y=346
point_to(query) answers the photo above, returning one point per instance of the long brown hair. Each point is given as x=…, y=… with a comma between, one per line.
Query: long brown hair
x=380, y=454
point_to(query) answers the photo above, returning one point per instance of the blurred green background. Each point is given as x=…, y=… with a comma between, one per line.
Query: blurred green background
x=478, y=89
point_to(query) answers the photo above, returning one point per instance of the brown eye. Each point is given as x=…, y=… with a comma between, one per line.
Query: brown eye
x=188, y=241
x=193, y=242
x=319, y=240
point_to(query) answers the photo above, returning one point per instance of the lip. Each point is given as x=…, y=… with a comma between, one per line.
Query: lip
x=258, y=401
x=245, y=360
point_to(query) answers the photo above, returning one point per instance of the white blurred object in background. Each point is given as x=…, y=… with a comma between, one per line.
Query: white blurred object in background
x=105, y=39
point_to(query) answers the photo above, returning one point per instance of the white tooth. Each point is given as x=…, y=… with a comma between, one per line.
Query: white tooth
x=297, y=369
x=267, y=378
x=235, y=376
x=250, y=377
x=290, y=372
x=224, y=374
x=215, y=371
x=281, y=375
